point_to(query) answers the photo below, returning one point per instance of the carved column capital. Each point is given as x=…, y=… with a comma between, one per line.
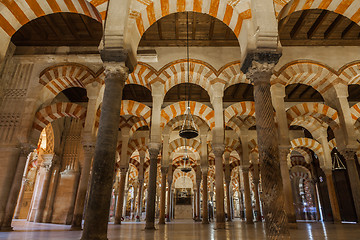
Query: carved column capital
x=26, y=149
x=89, y=147
x=154, y=149
x=245, y=169
x=218, y=150
x=164, y=170
x=348, y=153
x=123, y=170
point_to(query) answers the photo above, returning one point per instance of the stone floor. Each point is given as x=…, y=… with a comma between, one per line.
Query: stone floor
x=183, y=229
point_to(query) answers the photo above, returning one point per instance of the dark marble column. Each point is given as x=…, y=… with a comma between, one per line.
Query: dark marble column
x=139, y=200
x=248, y=206
x=332, y=196
x=228, y=201
x=98, y=205
x=205, y=219
x=261, y=66
x=168, y=204
x=15, y=188
x=219, y=183
x=256, y=181
x=154, y=149
x=164, y=171
x=89, y=148
x=198, y=183
x=120, y=201
x=241, y=199
x=354, y=179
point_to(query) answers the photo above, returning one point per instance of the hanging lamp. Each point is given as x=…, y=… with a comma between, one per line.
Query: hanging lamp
x=337, y=164
x=185, y=158
x=188, y=129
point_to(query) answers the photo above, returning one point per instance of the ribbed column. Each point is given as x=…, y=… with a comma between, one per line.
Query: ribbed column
x=332, y=196
x=154, y=149
x=219, y=183
x=354, y=179
x=15, y=188
x=205, y=213
x=164, y=171
x=89, y=149
x=273, y=198
x=98, y=206
x=120, y=202
x=248, y=205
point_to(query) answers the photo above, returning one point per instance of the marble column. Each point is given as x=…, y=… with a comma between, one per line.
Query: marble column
x=257, y=199
x=219, y=183
x=139, y=200
x=89, y=149
x=260, y=72
x=332, y=195
x=205, y=214
x=46, y=170
x=15, y=188
x=120, y=201
x=248, y=205
x=198, y=183
x=21, y=197
x=168, y=204
x=52, y=192
x=98, y=205
x=228, y=200
x=164, y=171
x=353, y=178
x=241, y=200
x=154, y=149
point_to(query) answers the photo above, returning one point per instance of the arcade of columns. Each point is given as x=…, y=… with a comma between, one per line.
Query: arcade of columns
x=82, y=158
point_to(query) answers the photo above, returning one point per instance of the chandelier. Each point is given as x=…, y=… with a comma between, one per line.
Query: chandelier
x=337, y=164
x=185, y=169
x=188, y=129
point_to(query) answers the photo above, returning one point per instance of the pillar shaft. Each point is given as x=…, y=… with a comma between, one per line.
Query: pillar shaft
x=219, y=183
x=205, y=219
x=257, y=200
x=139, y=200
x=198, y=218
x=151, y=195
x=98, y=205
x=332, y=196
x=273, y=197
x=120, y=202
x=228, y=201
x=83, y=184
x=20, y=199
x=248, y=206
x=168, y=204
x=162, y=196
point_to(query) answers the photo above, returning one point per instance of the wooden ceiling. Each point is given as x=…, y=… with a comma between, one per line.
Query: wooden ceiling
x=59, y=29
x=182, y=91
x=136, y=93
x=302, y=93
x=354, y=93
x=239, y=92
x=203, y=29
x=318, y=27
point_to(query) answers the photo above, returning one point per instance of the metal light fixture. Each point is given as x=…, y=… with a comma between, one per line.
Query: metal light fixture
x=337, y=164
x=185, y=158
x=188, y=129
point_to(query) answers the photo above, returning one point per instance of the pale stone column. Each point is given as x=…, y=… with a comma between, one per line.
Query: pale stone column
x=219, y=183
x=141, y=184
x=139, y=200
x=45, y=169
x=262, y=65
x=205, y=219
x=98, y=205
x=349, y=155
x=52, y=192
x=228, y=200
x=89, y=148
x=332, y=195
x=15, y=188
x=168, y=204
x=20, y=199
x=121, y=196
x=248, y=206
x=256, y=181
x=164, y=171
x=154, y=149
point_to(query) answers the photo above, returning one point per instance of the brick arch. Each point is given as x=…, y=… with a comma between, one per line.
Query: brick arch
x=317, y=110
x=309, y=143
x=143, y=75
x=232, y=145
x=101, y=6
x=313, y=74
x=234, y=164
x=137, y=125
x=15, y=14
x=246, y=108
x=232, y=75
x=299, y=161
x=180, y=174
x=179, y=162
x=232, y=13
x=308, y=122
x=60, y=77
x=180, y=142
x=304, y=152
x=135, y=163
x=355, y=112
x=58, y=110
x=136, y=144
x=351, y=73
x=198, y=109
x=349, y=9
x=176, y=73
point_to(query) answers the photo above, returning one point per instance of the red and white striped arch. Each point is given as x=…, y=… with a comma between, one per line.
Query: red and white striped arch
x=232, y=75
x=180, y=174
x=58, y=110
x=347, y=8
x=136, y=144
x=193, y=144
x=15, y=14
x=312, y=124
x=232, y=145
x=101, y=6
x=142, y=75
x=355, y=112
x=351, y=74
x=309, y=143
x=316, y=75
x=198, y=109
x=239, y=109
x=316, y=110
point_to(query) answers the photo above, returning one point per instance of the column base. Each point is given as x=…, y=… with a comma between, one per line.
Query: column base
x=292, y=225
x=76, y=228
x=150, y=226
x=205, y=222
x=161, y=223
x=6, y=229
x=168, y=220
x=197, y=220
x=219, y=225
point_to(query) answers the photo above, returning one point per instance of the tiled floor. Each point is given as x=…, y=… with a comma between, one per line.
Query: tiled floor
x=187, y=230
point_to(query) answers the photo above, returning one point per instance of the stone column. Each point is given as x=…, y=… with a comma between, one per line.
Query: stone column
x=164, y=171
x=198, y=183
x=241, y=200
x=256, y=181
x=170, y=178
x=354, y=179
x=46, y=170
x=20, y=199
x=15, y=188
x=205, y=214
x=228, y=199
x=120, y=201
x=139, y=200
x=98, y=205
x=89, y=149
x=332, y=195
x=219, y=183
x=248, y=205
x=273, y=197
x=154, y=149
x=52, y=192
